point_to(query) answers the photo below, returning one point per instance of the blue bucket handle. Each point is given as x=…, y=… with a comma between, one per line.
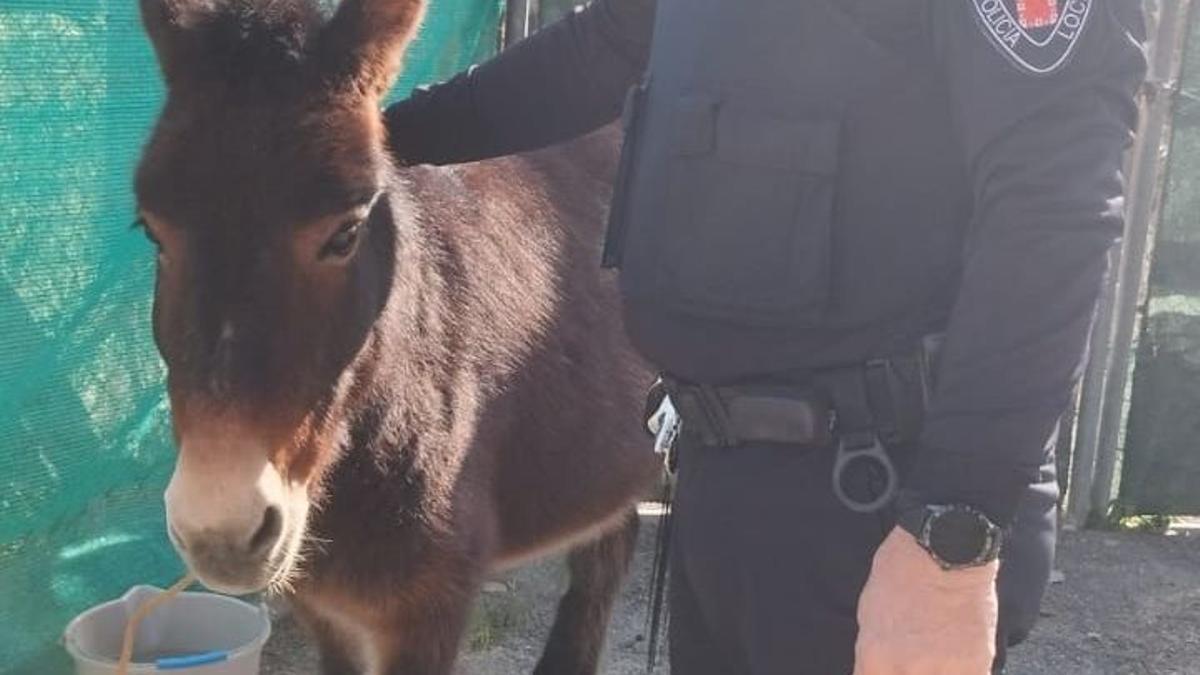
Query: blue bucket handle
x=190, y=661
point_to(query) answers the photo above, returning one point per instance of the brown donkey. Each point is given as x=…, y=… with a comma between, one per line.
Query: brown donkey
x=385, y=383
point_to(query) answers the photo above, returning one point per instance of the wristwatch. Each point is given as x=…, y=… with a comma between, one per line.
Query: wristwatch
x=955, y=535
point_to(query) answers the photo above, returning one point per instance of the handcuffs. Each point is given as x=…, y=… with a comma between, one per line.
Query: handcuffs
x=864, y=447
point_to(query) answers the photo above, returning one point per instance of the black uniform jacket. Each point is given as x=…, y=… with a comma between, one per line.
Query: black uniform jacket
x=974, y=188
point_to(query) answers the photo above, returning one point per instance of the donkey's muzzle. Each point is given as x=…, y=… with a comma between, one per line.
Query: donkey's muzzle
x=228, y=518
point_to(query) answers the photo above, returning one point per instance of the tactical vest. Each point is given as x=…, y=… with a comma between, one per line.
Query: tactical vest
x=778, y=161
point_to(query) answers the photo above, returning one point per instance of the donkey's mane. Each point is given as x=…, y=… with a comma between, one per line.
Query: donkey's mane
x=250, y=42
x=267, y=45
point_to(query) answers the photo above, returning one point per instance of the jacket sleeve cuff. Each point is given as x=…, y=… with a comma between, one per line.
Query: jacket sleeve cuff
x=955, y=478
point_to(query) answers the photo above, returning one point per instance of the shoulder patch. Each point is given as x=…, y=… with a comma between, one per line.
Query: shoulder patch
x=1038, y=36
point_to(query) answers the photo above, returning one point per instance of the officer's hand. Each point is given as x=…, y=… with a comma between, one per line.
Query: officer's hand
x=915, y=618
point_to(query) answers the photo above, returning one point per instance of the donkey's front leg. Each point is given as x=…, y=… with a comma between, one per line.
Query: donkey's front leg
x=425, y=632
x=413, y=631
x=338, y=636
x=335, y=654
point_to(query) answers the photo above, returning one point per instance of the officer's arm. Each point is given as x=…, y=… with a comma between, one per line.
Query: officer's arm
x=565, y=80
x=1045, y=153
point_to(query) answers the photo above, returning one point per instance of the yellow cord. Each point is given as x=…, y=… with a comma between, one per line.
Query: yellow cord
x=140, y=613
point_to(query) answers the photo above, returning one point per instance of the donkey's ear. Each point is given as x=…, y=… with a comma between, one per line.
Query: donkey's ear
x=167, y=22
x=363, y=43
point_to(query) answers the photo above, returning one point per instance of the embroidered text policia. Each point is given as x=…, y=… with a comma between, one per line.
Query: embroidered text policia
x=1039, y=38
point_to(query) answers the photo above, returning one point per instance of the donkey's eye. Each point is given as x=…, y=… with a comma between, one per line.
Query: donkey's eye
x=344, y=241
x=140, y=224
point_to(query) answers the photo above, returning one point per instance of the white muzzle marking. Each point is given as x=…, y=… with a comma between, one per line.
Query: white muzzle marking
x=236, y=521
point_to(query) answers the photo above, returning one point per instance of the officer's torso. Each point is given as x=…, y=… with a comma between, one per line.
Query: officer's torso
x=796, y=195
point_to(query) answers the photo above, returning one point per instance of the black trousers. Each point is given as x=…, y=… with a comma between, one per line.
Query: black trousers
x=767, y=565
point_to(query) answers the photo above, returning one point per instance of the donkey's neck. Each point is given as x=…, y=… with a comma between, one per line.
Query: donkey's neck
x=475, y=293
x=403, y=380
x=399, y=460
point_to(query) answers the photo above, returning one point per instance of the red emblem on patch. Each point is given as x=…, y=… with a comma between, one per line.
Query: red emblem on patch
x=1037, y=13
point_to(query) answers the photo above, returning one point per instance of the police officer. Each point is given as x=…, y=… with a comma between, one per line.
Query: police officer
x=809, y=189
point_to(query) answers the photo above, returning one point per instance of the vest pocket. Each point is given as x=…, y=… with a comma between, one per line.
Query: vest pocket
x=748, y=214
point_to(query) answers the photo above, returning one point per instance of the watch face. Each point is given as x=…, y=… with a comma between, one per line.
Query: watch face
x=958, y=536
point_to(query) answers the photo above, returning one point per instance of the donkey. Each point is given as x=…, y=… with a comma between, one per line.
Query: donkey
x=385, y=383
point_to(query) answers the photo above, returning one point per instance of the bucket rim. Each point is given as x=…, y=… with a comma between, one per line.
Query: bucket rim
x=81, y=655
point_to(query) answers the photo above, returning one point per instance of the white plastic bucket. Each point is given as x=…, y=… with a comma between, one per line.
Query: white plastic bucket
x=199, y=633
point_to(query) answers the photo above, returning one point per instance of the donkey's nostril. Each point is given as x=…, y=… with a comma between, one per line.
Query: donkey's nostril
x=268, y=532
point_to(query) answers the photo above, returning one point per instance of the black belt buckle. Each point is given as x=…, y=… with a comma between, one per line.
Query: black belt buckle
x=702, y=411
x=864, y=447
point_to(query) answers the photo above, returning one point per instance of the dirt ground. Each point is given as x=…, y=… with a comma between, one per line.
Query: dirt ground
x=1127, y=604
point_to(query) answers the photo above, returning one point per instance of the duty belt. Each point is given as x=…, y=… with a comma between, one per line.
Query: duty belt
x=858, y=409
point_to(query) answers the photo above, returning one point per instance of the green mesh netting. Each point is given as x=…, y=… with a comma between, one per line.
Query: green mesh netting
x=85, y=446
x=1161, y=467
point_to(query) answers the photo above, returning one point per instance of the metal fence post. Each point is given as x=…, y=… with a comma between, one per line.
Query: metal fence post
x=520, y=19
x=1102, y=406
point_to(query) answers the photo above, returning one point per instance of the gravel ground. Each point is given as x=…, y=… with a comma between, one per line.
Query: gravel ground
x=1129, y=604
